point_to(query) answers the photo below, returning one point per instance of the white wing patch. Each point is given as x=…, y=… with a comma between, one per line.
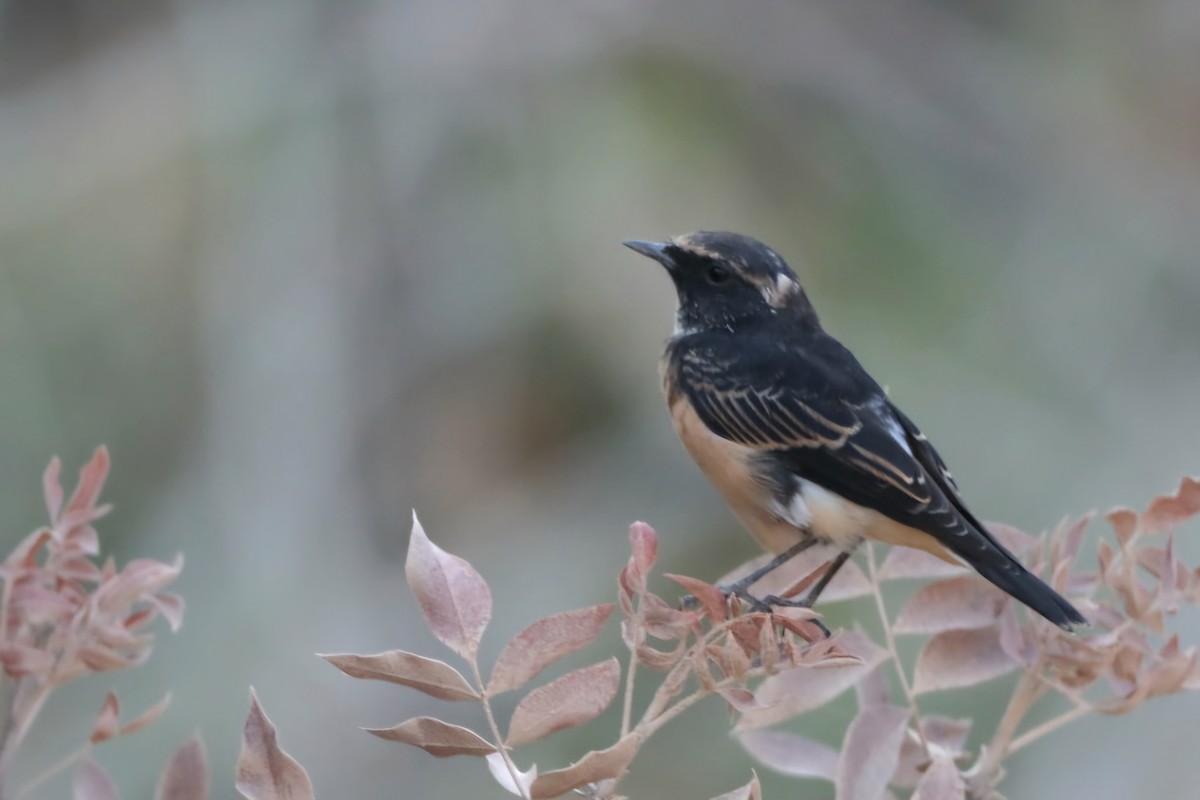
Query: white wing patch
x=832, y=518
x=892, y=424
x=826, y=515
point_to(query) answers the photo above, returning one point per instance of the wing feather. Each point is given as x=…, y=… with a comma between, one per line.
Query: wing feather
x=816, y=424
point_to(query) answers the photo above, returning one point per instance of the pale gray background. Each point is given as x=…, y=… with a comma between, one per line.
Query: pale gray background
x=305, y=265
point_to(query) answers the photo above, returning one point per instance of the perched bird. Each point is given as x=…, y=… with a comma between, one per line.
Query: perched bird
x=800, y=441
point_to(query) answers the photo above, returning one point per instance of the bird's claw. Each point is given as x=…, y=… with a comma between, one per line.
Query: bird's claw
x=759, y=605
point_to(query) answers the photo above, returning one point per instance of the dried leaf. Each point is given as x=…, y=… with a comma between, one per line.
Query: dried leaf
x=711, y=599
x=454, y=597
x=795, y=691
x=186, y=775
x=264, y=771
x=105, y=726
x=92, y=782
x=791, y=754
x=740, y=700
x=961, y=658
x=1073, y=538
x=435, y=678
x=1174, y=668
x=571, y=700
x=870, y=752
x=20, y=660
x=660, y=660
x=942, y=781
x=873, y=689
x=543, y=643
x=597, y=765
x=1168, y=511
x=666, y=622
x=52, y=489
x=751, y=791
x=146, y=717
x=101, y=659
x=503, y=776
x=440, y=739
x=24, y=555
x=171, y=606
x=945, y=736
x=954, y=604
x=1124, y=522
x=905, y=563
x=91, y=481
x=643, y=544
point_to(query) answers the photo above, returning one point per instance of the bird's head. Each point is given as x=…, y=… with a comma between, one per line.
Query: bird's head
x=727, y=281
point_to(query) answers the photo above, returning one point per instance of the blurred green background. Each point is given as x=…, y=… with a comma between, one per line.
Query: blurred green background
x=306, y=265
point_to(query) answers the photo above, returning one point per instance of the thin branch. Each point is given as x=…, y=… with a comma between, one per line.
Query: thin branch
x=1049, y=726
x=52, y=770
x=913, y=711
x=627, y=703
x=659, y=712
x=1029, y=689
x=24, y=712
x=513, y=772
x=648, y=726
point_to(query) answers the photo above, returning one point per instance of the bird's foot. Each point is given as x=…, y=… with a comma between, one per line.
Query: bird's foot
x=758, y=605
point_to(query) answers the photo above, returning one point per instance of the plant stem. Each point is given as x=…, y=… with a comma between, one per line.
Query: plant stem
x=913, y=711
x=627, y=703
x=1050, y=725
x=1029, y=689
x=51, y=771
x=649, y=725
x=21, y=716
x=513, y=772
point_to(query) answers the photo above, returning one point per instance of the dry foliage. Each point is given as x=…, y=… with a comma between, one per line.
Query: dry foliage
x=63, y=616
x=713, y=650
x=772, y=667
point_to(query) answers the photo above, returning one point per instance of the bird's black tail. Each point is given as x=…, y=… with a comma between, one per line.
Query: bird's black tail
x=1032, y=591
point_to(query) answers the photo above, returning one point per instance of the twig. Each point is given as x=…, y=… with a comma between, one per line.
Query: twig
x=659, y=712
x=913, y=711
x=1029, y=689
x=1049, y=726
x=513, y=772
x=627, y=703
x=22, y=716
x=52, y=770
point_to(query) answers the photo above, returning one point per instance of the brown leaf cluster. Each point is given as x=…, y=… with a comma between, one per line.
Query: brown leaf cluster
x=63, y=614
x=715, y=649
x=264, y=770
x=976, y=634
x=770, y=667
x=457, y=605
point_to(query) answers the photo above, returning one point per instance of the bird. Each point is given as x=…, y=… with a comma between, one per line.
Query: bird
x=800, y=441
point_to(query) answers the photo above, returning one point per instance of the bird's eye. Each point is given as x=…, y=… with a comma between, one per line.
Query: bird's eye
x=717, y=275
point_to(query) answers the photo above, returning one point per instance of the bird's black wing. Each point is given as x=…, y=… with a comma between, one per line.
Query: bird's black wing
x=815, y=413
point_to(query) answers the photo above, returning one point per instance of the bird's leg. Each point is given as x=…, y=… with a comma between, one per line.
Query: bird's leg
x=815, y=592
x=819, y=586
x=811, y=598
x=741, y=586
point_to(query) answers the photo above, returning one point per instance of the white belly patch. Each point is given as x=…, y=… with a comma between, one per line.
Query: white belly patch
x=828, y=516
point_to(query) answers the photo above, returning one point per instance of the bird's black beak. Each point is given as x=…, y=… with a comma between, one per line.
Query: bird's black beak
x=655, y=250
